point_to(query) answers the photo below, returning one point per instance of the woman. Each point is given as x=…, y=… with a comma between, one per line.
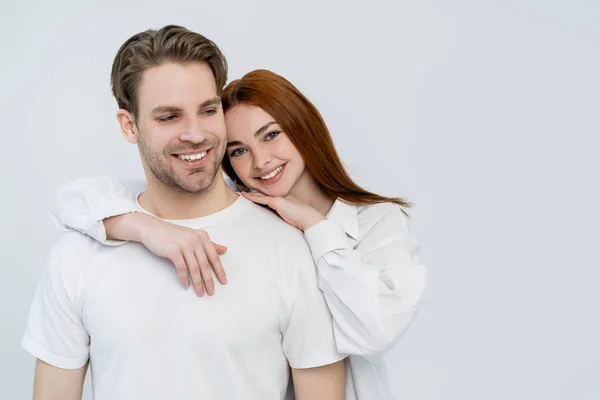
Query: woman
x=280, y=154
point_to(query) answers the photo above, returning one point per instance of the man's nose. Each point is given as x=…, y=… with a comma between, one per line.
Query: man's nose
x=193, y=133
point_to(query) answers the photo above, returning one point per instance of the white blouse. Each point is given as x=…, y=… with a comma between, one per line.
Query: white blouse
x=367, y=265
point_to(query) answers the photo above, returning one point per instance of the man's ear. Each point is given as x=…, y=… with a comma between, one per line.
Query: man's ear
x=127, y=124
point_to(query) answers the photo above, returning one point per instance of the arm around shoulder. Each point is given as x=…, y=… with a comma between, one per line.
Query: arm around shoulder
x=83, y=204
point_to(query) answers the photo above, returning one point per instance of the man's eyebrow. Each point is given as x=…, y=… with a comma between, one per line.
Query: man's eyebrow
x=174, y=109
x=258, y=132
x=211, y=102
x=165, y=109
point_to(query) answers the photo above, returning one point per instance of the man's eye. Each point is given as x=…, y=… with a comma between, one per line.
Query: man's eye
x=237, y=152
x=168, y=118
x=211, y=111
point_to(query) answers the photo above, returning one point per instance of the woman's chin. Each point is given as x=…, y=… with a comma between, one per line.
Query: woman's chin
x=275, y=190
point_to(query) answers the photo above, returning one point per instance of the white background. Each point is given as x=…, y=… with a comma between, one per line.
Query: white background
x=485, y=114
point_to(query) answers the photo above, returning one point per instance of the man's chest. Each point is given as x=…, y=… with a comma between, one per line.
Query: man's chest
x=140, y=306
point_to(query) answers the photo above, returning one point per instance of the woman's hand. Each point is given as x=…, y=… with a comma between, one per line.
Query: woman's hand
x=292, y=211
x=191, y=250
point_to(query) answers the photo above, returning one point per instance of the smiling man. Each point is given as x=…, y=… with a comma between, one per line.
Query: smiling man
x=122, y=309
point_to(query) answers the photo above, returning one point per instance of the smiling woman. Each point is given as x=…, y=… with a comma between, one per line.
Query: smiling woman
x=263, y=155
x=279, y=147
x=267, y=104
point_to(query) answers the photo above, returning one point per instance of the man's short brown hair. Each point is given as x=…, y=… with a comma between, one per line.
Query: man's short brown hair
x=154, y=47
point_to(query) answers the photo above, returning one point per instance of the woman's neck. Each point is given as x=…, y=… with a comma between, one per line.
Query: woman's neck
x=308, y=191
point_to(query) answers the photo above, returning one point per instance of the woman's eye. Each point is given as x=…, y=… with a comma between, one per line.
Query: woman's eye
x=237, y=152
x=271, y=135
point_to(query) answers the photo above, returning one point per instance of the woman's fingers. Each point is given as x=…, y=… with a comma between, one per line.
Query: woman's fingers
x=220, y=248
x=195, y=256
x=260, y=198
x=256, y=197
x=205, y=271
x=182, y=269
x=212, y=253
x=192, y=264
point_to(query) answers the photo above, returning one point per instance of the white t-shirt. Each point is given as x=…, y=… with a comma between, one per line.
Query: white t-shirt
x=149, y=338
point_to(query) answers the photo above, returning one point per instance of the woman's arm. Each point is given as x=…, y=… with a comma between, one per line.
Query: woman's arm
x=373, y=291
x=83, y=204
x=106, y=210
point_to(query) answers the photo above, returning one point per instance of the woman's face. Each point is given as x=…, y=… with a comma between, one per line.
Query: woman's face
x=260, y=152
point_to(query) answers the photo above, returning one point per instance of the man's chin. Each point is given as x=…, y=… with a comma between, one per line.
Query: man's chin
x=193, y=188
x=187, y=182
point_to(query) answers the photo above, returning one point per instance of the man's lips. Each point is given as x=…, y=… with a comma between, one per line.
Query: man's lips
x=192, y=157
x=191, y=152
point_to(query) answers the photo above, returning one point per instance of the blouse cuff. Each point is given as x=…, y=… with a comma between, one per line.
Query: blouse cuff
x=325, y=236
x=117, y=207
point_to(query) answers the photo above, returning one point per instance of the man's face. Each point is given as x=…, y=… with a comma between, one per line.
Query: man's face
x=181, y=128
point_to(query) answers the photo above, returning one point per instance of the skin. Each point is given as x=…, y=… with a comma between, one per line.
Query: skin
x=257, y=146
x=179, y=113
x=51, y=383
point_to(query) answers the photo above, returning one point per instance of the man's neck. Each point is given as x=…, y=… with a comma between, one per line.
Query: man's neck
x=167, y=203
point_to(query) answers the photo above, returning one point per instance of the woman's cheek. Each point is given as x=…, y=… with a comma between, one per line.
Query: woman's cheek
x=242, y=168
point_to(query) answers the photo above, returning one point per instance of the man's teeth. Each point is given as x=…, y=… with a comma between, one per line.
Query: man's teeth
x=272, y=174
x=192, y=157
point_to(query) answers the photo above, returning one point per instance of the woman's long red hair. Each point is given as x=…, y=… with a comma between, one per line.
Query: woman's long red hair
x=303, y=124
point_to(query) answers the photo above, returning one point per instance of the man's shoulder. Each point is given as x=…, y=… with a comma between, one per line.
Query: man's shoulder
x=267, y=226
x=270, y=223
x=73, y=251
x=67, y=261
x=73, y=243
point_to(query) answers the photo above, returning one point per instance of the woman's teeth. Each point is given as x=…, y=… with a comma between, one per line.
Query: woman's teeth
x=192, y=157
x=272, y=174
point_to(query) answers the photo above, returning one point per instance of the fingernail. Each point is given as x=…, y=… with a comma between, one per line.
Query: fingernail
x=224, y=279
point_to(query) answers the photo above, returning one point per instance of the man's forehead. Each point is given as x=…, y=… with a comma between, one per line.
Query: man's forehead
x=173, y=75
x=177, y=85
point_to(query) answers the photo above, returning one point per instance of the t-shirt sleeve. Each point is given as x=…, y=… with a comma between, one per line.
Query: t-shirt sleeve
x=55, y=332
x=308, y=338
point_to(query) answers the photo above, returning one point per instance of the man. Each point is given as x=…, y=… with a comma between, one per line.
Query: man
x=122, y=310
